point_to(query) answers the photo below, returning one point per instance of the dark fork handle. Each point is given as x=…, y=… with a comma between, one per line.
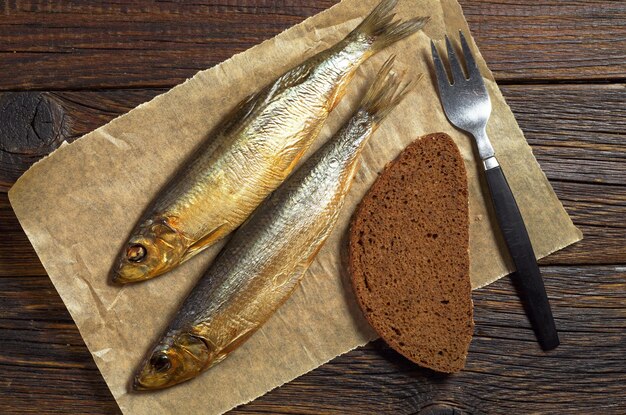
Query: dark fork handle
x=527, y=278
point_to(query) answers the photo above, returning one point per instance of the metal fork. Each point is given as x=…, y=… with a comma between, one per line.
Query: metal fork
x=468, y=107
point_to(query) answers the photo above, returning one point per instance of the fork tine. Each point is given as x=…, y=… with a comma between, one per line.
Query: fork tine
x=455, y=65
x=472, y=68
x=440, y=70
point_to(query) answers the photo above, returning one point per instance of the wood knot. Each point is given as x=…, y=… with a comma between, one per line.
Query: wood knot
x=437, y=409
x=32, y=124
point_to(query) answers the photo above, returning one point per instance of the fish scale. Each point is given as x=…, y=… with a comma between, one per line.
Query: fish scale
x=261, y=265
x=250, y=153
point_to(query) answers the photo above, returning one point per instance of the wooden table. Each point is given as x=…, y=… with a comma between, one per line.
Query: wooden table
x=69, y=67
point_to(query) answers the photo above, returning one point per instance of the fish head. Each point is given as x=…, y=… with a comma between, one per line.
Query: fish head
x=154, y=248
x=176, y=359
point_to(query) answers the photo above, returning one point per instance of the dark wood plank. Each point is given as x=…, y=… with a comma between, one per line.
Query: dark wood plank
x=45, y=366
x=77, y=45
x=80, y=45
x=31, y=300
x=67, y=391
x=577, y=133
x=506, y=370
x=599, y=211
x=17, y=256
x=550, y=40
x=31, y=126
x=40, y=338
x=585, y=163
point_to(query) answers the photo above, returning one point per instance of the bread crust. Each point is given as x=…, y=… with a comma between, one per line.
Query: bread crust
x=409, y=255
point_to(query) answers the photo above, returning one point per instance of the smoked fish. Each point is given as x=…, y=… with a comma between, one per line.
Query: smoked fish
x=250, y=153
x=263, y=262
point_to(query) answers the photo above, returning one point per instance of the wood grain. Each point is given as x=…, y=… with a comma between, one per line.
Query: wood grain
x=595, y=196
x=578, y=134
x=551, y=40
x=133, y=44
x=32, y=125
x=114, y=44
x=562, y=64
x=506, y=370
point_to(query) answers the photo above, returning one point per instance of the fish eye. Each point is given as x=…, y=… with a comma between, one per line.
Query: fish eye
x=136, y=253
x=160, y=362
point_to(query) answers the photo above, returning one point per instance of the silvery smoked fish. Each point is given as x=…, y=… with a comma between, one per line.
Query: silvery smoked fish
x=251, y=153
x=261, y=265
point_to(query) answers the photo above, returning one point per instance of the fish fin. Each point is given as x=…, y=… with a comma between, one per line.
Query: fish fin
x=294, y=77
x=237, y=342
x=245, y=109
x=341, y=91
x=385, y=93
x=382, y=30
x=238, y=115
x=205, y=242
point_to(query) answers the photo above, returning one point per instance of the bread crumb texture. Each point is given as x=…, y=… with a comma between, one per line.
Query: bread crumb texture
x=409, y=255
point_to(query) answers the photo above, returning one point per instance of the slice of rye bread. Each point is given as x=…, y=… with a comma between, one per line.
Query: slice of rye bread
x=409, y=255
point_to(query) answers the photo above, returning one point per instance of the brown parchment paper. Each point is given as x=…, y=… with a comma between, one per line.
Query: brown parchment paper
x=78, y=205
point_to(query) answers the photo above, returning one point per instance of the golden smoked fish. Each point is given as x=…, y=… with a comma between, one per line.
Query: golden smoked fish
x=262, y=263
x=252, y=151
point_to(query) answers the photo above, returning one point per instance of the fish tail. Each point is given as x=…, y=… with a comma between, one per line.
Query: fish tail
x=382, y=30
x=385, y=93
